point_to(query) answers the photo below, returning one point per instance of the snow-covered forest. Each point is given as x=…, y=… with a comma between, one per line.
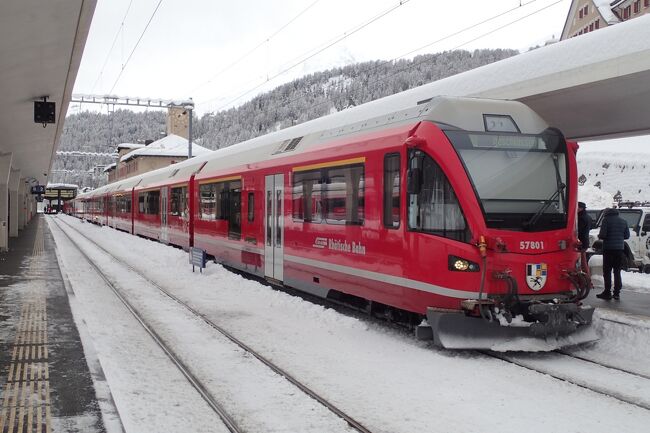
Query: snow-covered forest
x=307, y=98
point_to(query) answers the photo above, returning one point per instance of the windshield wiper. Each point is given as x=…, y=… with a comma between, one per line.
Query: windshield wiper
x=533, y=220
x=557, y=194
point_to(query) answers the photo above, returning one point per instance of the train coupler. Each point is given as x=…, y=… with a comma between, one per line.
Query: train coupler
x=558, y=319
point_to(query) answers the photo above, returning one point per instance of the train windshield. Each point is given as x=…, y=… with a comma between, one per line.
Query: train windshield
x=520, y=180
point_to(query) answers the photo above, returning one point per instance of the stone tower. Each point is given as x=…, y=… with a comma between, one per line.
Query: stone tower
x=178, y=122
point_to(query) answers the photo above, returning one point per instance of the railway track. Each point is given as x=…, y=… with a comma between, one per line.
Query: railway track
x=632, y=388
x=195, y=382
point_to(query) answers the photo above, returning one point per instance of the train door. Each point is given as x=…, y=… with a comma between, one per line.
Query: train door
x=164, y=205
x=234, y=207
x=274, y=227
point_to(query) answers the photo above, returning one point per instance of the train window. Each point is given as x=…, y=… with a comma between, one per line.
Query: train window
x=178, y=202
x=343, y=194
x=221, y=201
x=251, y=207
x=120, y=202
x=306, y=196
x=435, y=208
x=392, y=191
x=335, y=195
x=221, y=193
x=149, y=202
x=208, y=201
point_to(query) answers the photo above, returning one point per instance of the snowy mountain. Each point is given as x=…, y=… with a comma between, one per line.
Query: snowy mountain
x=304, y=99
x=608, y=176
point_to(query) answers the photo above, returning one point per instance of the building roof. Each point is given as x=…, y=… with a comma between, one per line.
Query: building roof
x=605, y=9
x=129, y=146
x=110, y=167
x=61, y=186
x=172, y=145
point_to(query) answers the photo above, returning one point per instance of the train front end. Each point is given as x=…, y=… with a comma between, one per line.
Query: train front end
x=519, y=197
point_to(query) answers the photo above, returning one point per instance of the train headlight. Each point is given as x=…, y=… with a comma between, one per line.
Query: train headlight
x=461, y=265
x=458, y=264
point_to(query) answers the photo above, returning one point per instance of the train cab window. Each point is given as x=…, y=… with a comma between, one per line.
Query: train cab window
x=178, y=202
x=251, y=207
x=391, y=191
x=434, y=208
x=149, y=202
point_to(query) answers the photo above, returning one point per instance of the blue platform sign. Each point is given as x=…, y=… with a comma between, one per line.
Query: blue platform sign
x=197, y=258
x=38, y=189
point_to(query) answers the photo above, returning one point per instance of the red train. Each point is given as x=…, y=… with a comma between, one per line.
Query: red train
x=458, y=211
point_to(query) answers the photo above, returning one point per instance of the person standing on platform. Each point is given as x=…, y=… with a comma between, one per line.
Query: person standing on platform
x=584, y=225
x=613, y=232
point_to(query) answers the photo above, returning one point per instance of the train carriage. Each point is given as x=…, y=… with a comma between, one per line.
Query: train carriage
x=460, y=211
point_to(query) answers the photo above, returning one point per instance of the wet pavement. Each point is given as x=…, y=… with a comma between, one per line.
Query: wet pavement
x=633, y=303
x=45, y=381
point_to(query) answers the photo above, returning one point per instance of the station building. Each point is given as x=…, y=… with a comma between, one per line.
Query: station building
x=586, y=16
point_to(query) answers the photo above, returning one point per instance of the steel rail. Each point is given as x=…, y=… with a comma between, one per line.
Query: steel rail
x=602, y=364
x=274, y=367
x=613, y=395
x=230, y=424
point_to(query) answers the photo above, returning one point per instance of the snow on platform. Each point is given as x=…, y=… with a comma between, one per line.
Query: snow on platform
x=383, y=377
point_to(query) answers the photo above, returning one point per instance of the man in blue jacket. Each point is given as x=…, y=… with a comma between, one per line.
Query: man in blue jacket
x=613, y=231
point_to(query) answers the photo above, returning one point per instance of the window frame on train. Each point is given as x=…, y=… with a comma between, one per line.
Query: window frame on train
x=325, y=197
x=149, y=202
x=392, y=196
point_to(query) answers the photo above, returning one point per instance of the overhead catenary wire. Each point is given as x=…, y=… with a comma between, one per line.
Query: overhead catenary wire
x=110, y=50
x=135, y=46
x=416, y=64
x=456, y=33
x=482, y=35
x=338, y=39
x=252, y=50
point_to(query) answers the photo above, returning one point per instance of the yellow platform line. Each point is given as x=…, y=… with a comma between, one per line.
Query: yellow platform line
x=28, y=388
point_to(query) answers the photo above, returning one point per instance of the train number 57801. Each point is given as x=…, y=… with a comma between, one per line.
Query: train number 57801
x=531, y=245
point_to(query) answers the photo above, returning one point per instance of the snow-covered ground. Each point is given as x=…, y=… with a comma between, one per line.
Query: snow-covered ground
x=385, y=379
x=605, y=174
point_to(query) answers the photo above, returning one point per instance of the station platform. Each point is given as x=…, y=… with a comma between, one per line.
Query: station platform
x=45, y=381
x=632, y=303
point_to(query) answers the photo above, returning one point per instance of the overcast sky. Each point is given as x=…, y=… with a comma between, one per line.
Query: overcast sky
x=222, y=53
x=217, y=51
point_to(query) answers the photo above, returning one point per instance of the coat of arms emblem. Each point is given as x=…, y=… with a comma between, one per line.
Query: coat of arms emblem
x=536, y=275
